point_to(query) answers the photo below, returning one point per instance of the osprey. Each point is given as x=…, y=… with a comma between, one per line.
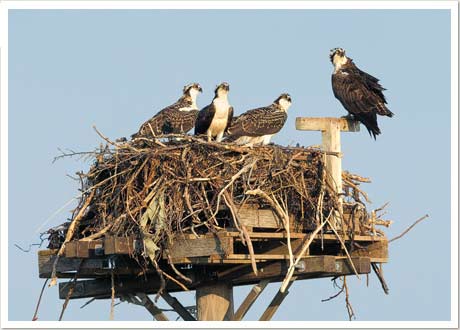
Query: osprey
x=257, y=126
x=360, y=93
x=214, y=119
x=179, y=117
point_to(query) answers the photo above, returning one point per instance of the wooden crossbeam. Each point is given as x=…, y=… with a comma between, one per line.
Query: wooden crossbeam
x=324, y=123
x=312, y=267
x=250, y=299
x=177, y=306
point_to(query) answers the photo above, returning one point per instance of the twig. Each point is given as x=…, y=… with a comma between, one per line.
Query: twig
x=232, y=180
x=304, y=248
x=379, y=273
x=243, y=231
x=69, y=236
x=283, y=217
x=71, y=289
x=351, y=313
x=335, y=295
x=176, y=281
x=409, y=228
x=178, y=273
x=112, y=300
x=345, y=248
x=35, y=317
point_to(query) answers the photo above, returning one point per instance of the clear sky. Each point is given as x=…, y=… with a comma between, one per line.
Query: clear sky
x=69, y=70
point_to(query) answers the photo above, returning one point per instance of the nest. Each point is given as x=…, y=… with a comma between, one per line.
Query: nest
x=156, y=190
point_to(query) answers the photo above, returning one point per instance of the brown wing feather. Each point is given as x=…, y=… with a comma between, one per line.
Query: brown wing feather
x=258, y=122
x=229, y=119
x=169, y=120
x=357, y=100
x=204, y=119
x=179, y=121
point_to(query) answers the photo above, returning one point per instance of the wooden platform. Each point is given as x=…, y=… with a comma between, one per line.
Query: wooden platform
x=205, y=259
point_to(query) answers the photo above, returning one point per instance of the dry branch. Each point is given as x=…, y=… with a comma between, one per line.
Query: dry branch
x=409, y=228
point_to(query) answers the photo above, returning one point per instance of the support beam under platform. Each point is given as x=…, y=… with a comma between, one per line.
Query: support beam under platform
x=275, y=271
x=250, y=299
x=275, y=303
x=177, y=306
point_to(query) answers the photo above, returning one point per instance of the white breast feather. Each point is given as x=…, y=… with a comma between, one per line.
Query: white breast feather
x=219, y=121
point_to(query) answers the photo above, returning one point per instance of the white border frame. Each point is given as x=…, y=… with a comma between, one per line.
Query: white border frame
x=6, y=5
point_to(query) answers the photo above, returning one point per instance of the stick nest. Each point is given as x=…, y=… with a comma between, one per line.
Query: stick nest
x=156, y=190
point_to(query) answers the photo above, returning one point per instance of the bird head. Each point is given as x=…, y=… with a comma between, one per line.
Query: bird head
x=222, y=89
x=337, y=57
x=192, y=89
x=284, y=101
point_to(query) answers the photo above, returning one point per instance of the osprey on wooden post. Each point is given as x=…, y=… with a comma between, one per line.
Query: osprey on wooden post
x=214, y=119
x=257, y=126
x=359, y=92
x=178, y=118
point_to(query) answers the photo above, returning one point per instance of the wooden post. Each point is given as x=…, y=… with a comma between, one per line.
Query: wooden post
x=214, y=302
x=330, y=130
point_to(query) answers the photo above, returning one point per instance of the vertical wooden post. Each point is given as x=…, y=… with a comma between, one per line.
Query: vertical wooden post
x=214, y=302
x=331, y=142
x=330, y=130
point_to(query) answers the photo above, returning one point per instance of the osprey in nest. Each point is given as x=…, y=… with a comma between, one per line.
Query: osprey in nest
x=214, y=119
x=359, y=92
x=178, y=118
x=257, y=126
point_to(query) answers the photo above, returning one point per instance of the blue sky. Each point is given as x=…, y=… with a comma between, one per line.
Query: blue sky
x=71, y=69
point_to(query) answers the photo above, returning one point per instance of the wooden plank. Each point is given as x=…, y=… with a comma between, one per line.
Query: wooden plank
x=84, y=249
x=259, y=257
x=101, y=288
x=66, y=265
x=177, y=306
x=92, y=267
x=152, y=308
x=374, y=250
x=70, y=250
x=321, y=124
x=328, y=237
x=119, y=245
x=362, y=265
x=214, y=302
x=278, y=269
x=49, y=252
x=282, y=234
x=250, y=299
x=311, y=267
x=205, y=246
x=259, y=218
